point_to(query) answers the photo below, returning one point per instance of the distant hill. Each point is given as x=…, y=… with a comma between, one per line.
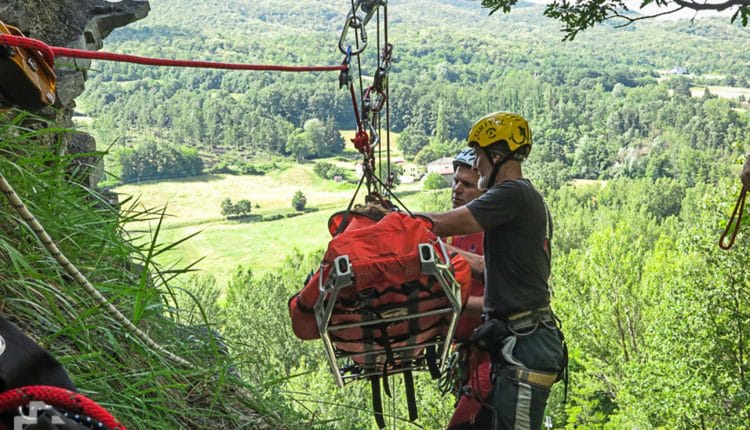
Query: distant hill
x=452, y=64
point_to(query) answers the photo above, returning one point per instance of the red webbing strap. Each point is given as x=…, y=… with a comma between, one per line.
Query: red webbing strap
x=60, y=398
x=50, y=52
x=739, y=207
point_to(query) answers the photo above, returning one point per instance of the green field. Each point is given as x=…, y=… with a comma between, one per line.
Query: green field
x=192, y=206
x=730, y=93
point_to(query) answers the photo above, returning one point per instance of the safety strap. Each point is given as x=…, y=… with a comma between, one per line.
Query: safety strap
x=411, y=400
x=432, y=361
x=739, y=208
x=377, y=401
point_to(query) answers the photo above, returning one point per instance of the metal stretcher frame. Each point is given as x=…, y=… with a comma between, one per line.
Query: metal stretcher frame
x=341, y=277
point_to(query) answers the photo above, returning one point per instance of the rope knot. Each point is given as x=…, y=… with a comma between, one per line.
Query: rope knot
x=362, y=142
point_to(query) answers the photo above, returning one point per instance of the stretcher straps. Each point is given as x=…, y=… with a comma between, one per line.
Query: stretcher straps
x=411, y=400
x=377, y=401
x=432, y=363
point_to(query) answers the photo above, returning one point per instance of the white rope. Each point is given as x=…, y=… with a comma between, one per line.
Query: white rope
x=69, y=268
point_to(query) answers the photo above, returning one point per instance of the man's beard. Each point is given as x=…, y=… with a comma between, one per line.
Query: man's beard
x=482, y=183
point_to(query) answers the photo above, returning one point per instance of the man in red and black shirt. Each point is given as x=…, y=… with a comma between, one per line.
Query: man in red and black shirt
x=472, y=411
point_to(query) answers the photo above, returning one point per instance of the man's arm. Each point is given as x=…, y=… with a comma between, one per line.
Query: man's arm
x=474, y=306
x=745, y=175
x=456, y=222
x=476, y=261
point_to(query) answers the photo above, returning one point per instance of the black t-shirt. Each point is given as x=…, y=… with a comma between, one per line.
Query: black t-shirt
x=517, y=264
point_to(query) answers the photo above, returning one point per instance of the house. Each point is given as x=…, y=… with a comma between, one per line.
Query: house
x=677, y=71
x=442, y=166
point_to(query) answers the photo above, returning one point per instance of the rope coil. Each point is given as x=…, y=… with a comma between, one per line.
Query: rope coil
x=739, y=208
x=60, y=398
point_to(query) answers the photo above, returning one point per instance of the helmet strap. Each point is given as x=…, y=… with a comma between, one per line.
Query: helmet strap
x=496, y=166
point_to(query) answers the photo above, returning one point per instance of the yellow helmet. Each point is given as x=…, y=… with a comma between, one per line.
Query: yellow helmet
x=501, y=127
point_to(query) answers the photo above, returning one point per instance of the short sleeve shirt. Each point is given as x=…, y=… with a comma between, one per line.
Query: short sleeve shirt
x=515, y=220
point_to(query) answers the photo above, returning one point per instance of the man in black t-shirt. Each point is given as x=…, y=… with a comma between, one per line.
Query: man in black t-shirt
x=520, y=331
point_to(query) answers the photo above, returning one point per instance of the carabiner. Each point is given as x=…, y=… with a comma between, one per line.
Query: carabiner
x=374, y=105
x=354, y=22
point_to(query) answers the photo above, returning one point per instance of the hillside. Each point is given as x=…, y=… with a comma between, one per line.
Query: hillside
x=607, y=89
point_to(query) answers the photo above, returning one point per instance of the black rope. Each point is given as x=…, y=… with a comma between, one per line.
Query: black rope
x=392, y=195
x=344, y=219
x=387, y=99
x=380, y=128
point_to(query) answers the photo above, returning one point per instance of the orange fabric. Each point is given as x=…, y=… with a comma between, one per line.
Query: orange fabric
x=384, y=257
x=479, y=365
x=473, y=243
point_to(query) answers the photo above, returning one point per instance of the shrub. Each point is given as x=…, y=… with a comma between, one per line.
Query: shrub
x=435, y=181
x=328, y=170
x=299, y=201
x=241, y=208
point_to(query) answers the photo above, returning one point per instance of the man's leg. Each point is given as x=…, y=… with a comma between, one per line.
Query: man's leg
x=519, y=405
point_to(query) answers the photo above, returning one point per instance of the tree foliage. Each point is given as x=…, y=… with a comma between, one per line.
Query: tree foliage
x=299, y=201
x=435, y=181
x=150, y=160
x=242, y=207
x=578, y=16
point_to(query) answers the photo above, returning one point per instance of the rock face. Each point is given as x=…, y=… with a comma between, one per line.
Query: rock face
x=81, y=24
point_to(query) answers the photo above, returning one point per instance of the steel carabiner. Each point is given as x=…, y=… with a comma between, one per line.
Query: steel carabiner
x=354, y=22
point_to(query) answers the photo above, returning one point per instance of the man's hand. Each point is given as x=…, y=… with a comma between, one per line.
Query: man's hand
x=745, y=175
x=456, y=222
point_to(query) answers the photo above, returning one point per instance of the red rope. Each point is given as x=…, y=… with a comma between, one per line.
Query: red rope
x=50, y=52
x=61, y=398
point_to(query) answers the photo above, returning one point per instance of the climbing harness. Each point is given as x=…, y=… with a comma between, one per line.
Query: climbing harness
x=739, y=208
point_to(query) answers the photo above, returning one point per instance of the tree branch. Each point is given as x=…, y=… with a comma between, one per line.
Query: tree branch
x=712, y=6
x=631, y=20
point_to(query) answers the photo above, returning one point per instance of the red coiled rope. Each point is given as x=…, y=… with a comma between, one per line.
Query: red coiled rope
x=50, y=52
x=60, y=398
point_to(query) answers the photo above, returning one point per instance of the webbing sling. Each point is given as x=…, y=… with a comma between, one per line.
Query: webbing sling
x=377, y=401
x=377, y=398
x=432, y=361
x=411, y=401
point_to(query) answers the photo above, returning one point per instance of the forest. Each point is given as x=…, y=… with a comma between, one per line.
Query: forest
x=634, y=150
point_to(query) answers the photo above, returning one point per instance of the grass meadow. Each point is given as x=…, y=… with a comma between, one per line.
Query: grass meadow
x=221, y=245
